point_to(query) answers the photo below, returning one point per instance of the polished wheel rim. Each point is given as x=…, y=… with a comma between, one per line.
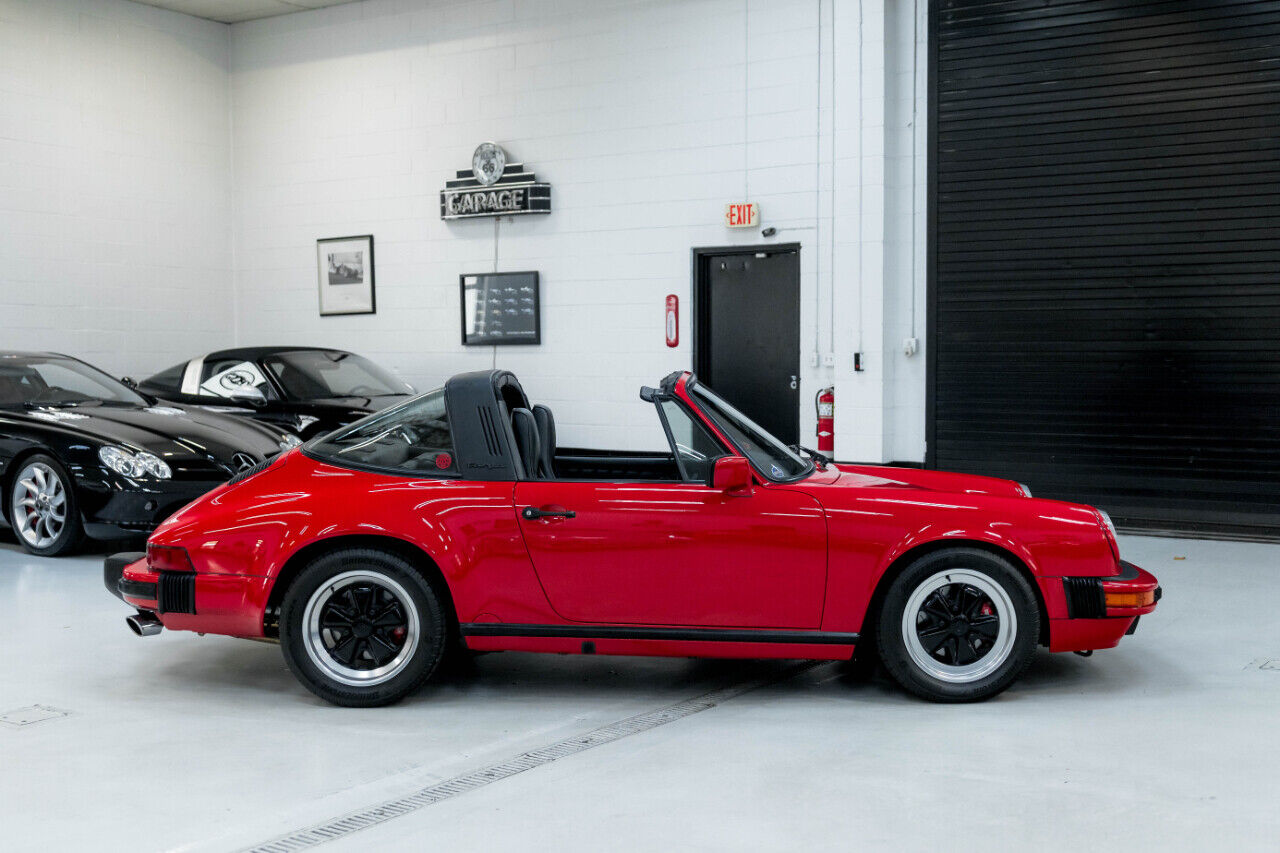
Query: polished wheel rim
x=361, y=628
x=39, y=505
x=959, y=626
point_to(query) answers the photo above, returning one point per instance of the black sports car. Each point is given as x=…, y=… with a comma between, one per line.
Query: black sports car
x=302, y=389
x=81, y=453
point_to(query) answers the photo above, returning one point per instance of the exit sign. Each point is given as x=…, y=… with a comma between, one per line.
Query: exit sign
x=745, y=215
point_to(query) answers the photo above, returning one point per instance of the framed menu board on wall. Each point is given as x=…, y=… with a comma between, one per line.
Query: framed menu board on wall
x=500, y=308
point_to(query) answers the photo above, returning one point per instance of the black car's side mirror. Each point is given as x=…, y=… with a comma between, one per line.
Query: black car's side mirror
x=129, y=380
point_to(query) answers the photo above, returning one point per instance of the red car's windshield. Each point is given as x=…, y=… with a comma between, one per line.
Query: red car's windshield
x=770, y=456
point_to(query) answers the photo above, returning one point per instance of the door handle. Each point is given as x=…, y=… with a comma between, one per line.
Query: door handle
x=532, y=513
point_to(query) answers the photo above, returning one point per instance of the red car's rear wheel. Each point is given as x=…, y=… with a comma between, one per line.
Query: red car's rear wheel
x=362, y=627
x=958, y=625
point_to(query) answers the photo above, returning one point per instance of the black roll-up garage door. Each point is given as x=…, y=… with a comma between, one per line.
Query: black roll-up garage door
x=1105, y=254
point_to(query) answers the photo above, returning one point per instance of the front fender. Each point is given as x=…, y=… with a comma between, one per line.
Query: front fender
x=872, y=533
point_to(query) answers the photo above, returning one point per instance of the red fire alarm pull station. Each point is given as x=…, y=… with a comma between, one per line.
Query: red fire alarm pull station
x=673, y=320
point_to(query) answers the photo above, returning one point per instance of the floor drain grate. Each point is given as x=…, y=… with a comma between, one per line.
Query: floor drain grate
x=356, y=821
x=31, y=715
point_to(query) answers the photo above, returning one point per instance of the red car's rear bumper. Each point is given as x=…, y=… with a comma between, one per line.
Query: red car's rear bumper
x=186, y=601
x=1102, y=610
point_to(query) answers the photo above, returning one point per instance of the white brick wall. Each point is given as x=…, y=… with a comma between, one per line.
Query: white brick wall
x=114, y=164
x=348, y=121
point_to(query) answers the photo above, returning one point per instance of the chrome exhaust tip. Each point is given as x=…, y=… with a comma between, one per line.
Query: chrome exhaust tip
x=144, y=624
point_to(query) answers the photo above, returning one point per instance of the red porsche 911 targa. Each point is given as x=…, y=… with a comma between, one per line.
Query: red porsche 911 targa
x=452, y=522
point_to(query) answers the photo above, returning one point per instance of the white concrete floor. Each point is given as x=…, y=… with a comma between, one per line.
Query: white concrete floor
x=1171, y=741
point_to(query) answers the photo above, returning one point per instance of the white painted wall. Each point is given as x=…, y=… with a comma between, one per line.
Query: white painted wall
x=906, y=204
x=115, y=216
x=646, y=118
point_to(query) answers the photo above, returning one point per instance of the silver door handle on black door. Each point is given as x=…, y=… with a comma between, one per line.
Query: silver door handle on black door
x=533, y=513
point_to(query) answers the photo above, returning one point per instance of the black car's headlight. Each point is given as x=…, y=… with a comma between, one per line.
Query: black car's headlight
x=134, y=465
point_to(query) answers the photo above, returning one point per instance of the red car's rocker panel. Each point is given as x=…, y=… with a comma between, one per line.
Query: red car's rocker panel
x=701, y=552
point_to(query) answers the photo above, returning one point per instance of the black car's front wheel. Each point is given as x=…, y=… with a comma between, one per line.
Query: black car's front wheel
x=42, y=507
x=958, y=625
x=362, y=627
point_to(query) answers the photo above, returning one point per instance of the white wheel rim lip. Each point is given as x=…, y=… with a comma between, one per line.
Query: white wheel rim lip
x=37, y=499
x=313, y=634
x=1001, y=647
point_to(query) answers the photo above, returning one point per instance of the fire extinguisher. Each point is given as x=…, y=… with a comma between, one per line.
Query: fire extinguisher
x=825, y=403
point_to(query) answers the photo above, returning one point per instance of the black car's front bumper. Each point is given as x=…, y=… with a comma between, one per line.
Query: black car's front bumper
x=116, y=507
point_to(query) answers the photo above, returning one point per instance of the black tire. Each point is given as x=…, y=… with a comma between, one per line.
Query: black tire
x=72, y=529
x=346, y=582
x=971, y=587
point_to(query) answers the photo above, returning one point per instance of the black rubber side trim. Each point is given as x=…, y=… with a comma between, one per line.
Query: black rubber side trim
x=627, y=632
x=176, y=592
x=136, y=589
x=1085, y=598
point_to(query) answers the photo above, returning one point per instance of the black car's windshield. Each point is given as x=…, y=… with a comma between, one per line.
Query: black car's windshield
x=413, y=437
x=29, y=380
x=323, y=374
x=770, y=456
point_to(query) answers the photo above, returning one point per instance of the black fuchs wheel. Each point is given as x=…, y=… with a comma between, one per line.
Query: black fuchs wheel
x=361, y=627
x=43, y=510
x=958, y=625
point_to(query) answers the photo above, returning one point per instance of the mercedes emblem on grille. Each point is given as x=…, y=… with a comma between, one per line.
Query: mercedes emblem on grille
x=243, y=462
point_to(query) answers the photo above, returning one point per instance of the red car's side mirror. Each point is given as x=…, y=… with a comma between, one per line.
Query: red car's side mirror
x=732, y=475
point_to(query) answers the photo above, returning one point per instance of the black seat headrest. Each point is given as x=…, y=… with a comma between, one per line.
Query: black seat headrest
x=547, y=438
x=526, y=431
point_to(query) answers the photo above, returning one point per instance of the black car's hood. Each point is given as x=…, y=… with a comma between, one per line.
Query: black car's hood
x=171, y=431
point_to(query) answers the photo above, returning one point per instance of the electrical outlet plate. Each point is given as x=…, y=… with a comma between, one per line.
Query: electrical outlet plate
x=813, y=360
x=829, y=360
x=910, y=346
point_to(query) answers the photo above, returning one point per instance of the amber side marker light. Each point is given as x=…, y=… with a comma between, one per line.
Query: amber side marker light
x=168, y=558
x=1130, y=599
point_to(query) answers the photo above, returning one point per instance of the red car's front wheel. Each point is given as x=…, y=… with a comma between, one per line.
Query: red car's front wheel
x=958, y=625
x=361, y=627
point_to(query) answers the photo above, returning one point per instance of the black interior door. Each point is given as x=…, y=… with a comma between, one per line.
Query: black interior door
x=747, y=321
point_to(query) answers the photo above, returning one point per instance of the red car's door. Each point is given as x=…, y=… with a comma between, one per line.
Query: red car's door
x=677, y=553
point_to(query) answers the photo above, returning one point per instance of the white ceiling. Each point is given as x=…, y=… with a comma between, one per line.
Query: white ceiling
x=231, y=11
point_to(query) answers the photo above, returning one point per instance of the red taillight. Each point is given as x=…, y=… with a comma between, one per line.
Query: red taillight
x=168, y=558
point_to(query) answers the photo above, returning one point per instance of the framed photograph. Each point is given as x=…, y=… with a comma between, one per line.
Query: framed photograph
x=344, y=266
x=500, y=308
